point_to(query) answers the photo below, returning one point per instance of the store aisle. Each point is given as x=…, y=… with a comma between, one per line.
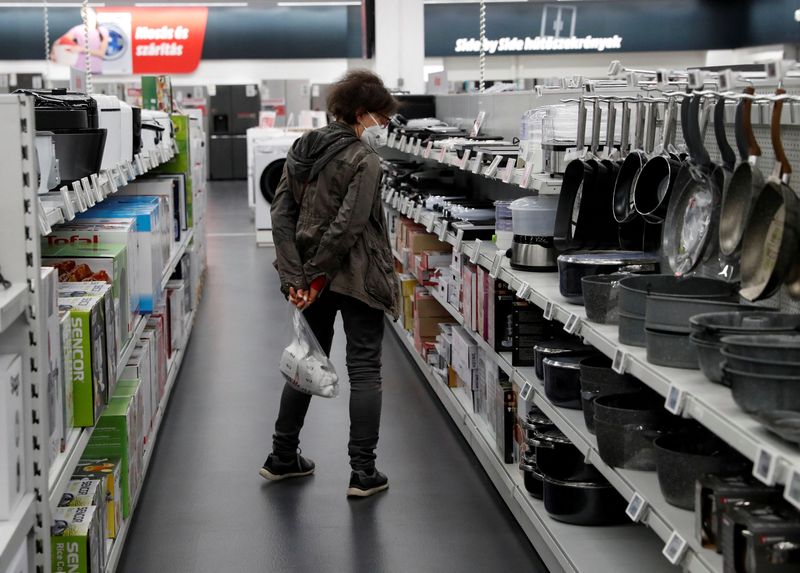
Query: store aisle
x=204, y=508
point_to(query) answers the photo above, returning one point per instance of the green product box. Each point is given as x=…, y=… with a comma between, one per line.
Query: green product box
x=77, y=542
x=87, y=352
x=86, y=492
x=108, y=471
x=182, y=162
x=106, y=262
x=117, y=434
x=135, y=389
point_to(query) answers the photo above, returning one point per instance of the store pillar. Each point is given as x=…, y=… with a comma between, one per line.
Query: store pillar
x=400, y=44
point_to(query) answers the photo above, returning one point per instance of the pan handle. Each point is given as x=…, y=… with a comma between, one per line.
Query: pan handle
x=650, y=135
x=777, y=142
x=700, y=155
x=687, y=133
x=638, y=135
x=611, y=124
x=581, y=139
x=626, y=128
x=728, y=156
x=742, y=141
x=747, y=125
x=597, y=114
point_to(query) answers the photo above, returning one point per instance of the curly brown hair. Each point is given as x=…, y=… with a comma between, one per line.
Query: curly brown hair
x=358, y=92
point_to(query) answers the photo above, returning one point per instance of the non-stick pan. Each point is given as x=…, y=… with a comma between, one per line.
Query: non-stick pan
x=770, y=241
x=745, y=183
x=724, y=170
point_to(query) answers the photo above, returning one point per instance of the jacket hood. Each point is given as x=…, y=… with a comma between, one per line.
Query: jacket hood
x=314, y=150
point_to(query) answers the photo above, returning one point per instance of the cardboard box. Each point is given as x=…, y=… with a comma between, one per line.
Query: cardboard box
x=48, y=308
x=108, y=471
x=114, y=336
x=12, y=434
x=425, y=306
x=169, y=189
x=68, y=420
x=430, y=260
x=101, y=263
x=133, y=389
x=156, y=325
x=88, y=357
x=483, y=302
x=140, y=367
x=418, y=241
x=175, y=304
x=427, y=327
x=87, y=492
x=115, y=232
x=77, y=542
x=464, y=353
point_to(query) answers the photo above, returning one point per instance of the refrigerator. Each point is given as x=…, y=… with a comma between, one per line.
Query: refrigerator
x=234, y=109
x=285, y=97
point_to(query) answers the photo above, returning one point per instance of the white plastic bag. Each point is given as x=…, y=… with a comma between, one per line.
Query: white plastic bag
x=304, y=364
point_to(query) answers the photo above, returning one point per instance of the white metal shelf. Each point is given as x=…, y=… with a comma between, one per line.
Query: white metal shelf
x=64, y=465
x=562, y=547
x=708, y=403
x=117, y=547
x=175, y=257
x=13, y=301
x=14, y=531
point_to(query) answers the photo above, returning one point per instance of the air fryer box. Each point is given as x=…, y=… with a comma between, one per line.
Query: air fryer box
x=105, y=292
x=77, y=542
x=169, y=187
x=12, y=434
x=115, y=231
x=101, y=263
x=48, y=308
x=86, y=492
x=108, y=471
x=88, y=358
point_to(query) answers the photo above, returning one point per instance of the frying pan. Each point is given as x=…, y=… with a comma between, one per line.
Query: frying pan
x=770, y=240
x=745, y=184
x=692, y=212
x=654, y=184
x=724, y=170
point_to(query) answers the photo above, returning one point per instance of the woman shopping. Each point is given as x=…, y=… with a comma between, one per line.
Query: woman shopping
x=333, y=256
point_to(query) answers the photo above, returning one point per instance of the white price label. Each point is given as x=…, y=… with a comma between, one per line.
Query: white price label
x=431, y=224
x=428, y=149
x=524, y=290
x=525, y=392
x=97, y=187
x=509, y=170
x=112, y=180
x=418, y=213
x=478, y=163
x=526, y=176
x=476, y=254
x=87, y=195
x=79, y=201
x=549, y=307
x=442, y=154
x=674, y=548
x=140, y=164
x=765, y=466
x=69, y=206
x=491, y=171
x=636, y=508
x=618, y=364
x=674, y=402
x=392, y=138
x=403, y=143
x=496, y=264
x=465, y=160
x=418, y=148
x=459, y=238
x=792, y=490
x=443, y=231
x=573, y=324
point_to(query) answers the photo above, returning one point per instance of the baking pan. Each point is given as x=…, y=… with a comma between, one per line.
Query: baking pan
x=601, y=297
x=711, y=327
x=634, y=290
x=759, y=392
x=672, y=314
x=558, y=458
x=598, y=379
x=773, y=347
x=758, y=366
x=783, y=423
x=573, y=267
x=631, y=329
x=670, y=349
x=709, y=357
x=553, y=348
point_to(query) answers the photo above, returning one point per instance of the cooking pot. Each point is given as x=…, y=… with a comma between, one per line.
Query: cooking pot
x=558, y=458
x=533, y=478
x=554, y=348
x=573, y=267
x=599, y=379
x=760, y=538
x=562, y=381
x=584, y=503
x=600, y=297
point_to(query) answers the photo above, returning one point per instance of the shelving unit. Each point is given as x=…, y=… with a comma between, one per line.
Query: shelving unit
x=176, y=256
x=14, y=530
x=12, y=304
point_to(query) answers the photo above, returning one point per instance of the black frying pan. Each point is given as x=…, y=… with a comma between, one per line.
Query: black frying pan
x=724, y=170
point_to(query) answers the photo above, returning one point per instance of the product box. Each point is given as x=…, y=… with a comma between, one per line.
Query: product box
x=140, y=367
x=469, y=300
x=426, y=306
x=181, y=164
x=506, y=419
x=68, y=420
x=464, y=353
x=149, y=340
x=172, y=189
x=108, y=471
x=20, y=562
x=156, y=325
x=529, y=329
x=114, y=336
x=418, y=241
x=503, y=322
x=430, y=260
x=484, y=281
x=12, y=434
x=101, y=263
x=87, y=492
x=77, y=542
x=175, y=304
x=133, y=389
x=88, y=357
x=114, y=232
x=48, y=308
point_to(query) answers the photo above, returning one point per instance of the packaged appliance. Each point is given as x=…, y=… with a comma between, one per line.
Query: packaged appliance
x=110, y=118
x=761, y=539
x=533, y=224
x=78, y=542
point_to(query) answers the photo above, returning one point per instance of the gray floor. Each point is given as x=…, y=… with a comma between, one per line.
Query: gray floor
x=204, y=508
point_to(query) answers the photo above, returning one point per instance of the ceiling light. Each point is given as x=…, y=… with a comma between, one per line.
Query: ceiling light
x=298, y=4
x=191, y=4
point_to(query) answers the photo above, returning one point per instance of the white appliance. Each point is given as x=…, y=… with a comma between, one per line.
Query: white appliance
x=110, y=119
x=268, y=151
x=126, y=145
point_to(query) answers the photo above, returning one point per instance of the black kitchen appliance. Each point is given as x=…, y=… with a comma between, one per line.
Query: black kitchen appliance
x=234, y=109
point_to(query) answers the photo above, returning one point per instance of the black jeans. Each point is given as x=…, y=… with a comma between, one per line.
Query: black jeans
x=363, y=327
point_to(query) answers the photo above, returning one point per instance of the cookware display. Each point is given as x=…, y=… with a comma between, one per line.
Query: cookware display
x=761, y=538
x=601, y=297
x=556, y=348
x=532, y=477
x=684, y=457
x=573, y=267
x=535, y=421
x=584, y=503
x=562, y=381
x=558, y=458
x=533, y=225
x=709, y=358
x=599, y=379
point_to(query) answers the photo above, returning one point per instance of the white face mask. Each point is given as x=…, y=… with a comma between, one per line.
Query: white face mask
x=374, y=136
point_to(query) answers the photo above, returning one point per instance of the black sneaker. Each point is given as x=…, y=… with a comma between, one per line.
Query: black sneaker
x=363, y=484
x=276, y=469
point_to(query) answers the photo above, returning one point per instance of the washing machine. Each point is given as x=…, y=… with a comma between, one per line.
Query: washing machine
x=269, y=157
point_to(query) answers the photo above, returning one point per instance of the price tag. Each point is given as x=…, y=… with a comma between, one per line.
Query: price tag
x=496, y=264
x=675, y=398
x=418, y=213
x=140, y=164
x=675, y=548
x=509, y=170
x=465, y=159
x=79, y=200
x=428, y=148
x=392, y=138
x=765, y=466
x=90, y=202
x=792, y=491
x=418, y=148
x=549, y=307
x=402, y=143
x=524, y=290
x=526, y=176
x=459, y=238
x=112, y=182
x=491, y=171
x=476, y=253
x=413, y=146
x=442, y=154
x=69, y=207
x=98, y=189
x=636, y=508
x=525, y=392
x=431, y=224
x=618, y=364
x=573, y=324
x=443, y=231
x=478, y=163
x=395, y=201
